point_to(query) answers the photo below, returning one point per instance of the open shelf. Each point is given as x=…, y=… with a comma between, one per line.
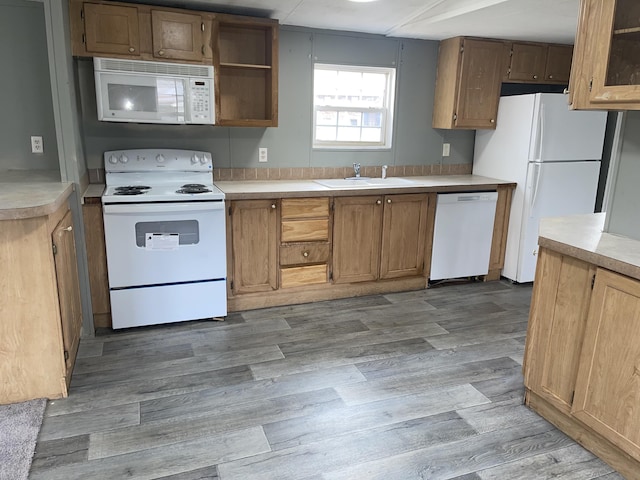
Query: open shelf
x=245, y=65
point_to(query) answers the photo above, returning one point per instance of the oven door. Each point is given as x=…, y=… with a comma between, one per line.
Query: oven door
x=164, y=243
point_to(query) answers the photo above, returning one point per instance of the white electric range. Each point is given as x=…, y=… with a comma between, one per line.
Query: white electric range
x=164, y=223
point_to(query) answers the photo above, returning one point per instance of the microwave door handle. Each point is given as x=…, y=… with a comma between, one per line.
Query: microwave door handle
x=163, y=207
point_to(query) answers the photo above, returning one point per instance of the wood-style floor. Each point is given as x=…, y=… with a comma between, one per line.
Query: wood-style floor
x=417, y=385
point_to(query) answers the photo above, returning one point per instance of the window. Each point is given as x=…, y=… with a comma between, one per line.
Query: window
x=352, y=106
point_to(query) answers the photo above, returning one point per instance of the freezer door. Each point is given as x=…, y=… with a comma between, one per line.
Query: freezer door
x=563, y=135
x=553, y=190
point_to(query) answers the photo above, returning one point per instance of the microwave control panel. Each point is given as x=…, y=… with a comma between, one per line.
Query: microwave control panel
x=201, y=92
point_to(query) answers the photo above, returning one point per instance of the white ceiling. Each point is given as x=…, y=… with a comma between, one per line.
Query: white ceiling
x=536, y=20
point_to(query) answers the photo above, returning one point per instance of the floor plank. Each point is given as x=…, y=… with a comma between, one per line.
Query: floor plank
x=408, y=386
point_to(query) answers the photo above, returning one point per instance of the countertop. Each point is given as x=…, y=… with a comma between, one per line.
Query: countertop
x=581, y=236
x=254, y=189
x=31, y=193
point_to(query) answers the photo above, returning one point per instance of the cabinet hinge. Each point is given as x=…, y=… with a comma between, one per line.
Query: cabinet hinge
x=202, y=50
x=330, y=275
x=573, y=395
x=84, y=39
x=202, y=26
x=66, y=354
x=593, y=281
x=455, y=116
x=82, y=13
x=461, y=49
x=54, y=248
x=229, y=211
x=231, y=284
x=590, y=84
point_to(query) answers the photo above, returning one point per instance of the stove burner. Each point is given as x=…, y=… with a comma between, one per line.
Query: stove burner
x=131, y=190
x=193, y=188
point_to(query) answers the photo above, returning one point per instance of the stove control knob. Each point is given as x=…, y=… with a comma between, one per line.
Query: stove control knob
x=113, y=159
x=195, y=159
x=203, y=160
x=160, y=158
x=124, y=159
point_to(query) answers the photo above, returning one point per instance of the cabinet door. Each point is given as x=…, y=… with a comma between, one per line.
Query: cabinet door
x=479, y=84
x=608, y=388
x=527, y=62
x=559, y=308
x=404, y=227
x=356, y=238
x=254, y=245
x=177, y=36
x=558, y=65
x=68, y=289
x=111, y=29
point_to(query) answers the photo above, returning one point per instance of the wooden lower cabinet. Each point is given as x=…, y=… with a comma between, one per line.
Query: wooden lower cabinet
x=254, y=246
x=97, y=261
x=582, y=356
x=40, y=307
x=357, y=224
x=379, y=237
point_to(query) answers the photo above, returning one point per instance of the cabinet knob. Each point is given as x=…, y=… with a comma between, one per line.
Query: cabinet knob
x=388, y=200
x=535, y=77
x=378, y=202
x=160, y=52
x=273, y=205
x=550, y=77
x=67, y=229
x=131, y=49
x=305, y=254
x=492, y=120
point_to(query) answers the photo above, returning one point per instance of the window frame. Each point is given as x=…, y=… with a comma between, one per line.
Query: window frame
x=387, y=110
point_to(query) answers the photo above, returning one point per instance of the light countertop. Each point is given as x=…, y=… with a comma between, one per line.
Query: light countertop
x=581, y=236
x=31, y=193
x=235, y=190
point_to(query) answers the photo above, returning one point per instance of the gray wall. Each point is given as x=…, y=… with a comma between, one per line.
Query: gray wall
x=25, y=88
x=414, y=141
x=623, y=213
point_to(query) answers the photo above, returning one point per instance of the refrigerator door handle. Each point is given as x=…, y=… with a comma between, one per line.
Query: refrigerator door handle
x=534, y=188
x=539, y=139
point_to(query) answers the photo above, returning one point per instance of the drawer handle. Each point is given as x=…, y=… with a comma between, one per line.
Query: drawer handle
x=161, y=52
x=131, y=49
x=305, y=254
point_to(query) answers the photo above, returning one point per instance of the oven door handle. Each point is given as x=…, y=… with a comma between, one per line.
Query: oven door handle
x=163, y=207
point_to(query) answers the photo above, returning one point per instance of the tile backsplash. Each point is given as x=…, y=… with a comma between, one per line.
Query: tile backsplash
x=96, y=175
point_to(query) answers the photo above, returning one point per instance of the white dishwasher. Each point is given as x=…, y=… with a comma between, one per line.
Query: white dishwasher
x=462, y=234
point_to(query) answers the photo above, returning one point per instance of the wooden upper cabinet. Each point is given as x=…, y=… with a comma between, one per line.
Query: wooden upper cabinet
x=557, y=320
x=254, y=245
x=178, y=36
x=404, y=228
x=468, y=80
x=528, y=61
x=110, y=29
x=608, y=386
x=246, y=65
x=558, y=65
x=64, y=249
x=606, y=69
x=356, y=238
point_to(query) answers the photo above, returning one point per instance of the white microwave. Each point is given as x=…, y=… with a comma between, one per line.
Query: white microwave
x=153, y=92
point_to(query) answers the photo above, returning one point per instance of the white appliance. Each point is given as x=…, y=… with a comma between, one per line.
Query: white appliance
x=164, y=224
x=553, y=154
x=462, y=234
x=153, y=92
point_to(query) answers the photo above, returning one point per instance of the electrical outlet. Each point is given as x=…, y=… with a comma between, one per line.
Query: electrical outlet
x=446, y=149
x=262, y=155
x=36, y=144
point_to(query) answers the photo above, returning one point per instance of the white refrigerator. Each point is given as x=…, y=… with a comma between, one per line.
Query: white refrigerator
x=553, y=154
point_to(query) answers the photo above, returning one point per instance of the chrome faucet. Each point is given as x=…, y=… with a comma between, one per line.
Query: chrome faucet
x=384, y=171
x=356, y=170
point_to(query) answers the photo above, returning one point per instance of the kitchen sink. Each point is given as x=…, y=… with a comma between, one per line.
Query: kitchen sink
x=364, y=182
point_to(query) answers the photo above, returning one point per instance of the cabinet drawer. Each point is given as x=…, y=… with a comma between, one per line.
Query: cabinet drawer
x=299, y=276
x=302, y=254
x=305, y=230
x=293, y=208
